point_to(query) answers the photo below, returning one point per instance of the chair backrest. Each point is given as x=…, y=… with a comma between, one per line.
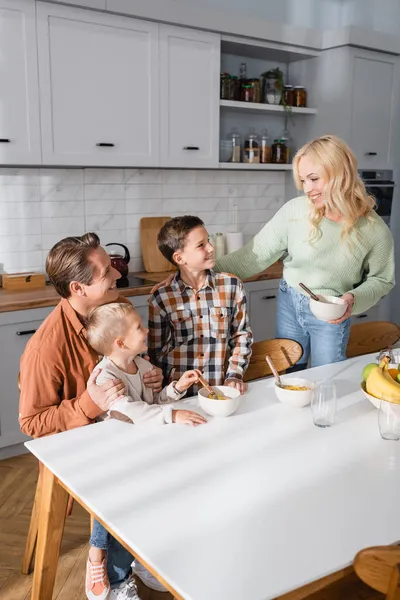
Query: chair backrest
x=379, y=567
x=284, y=354
x=372, y=337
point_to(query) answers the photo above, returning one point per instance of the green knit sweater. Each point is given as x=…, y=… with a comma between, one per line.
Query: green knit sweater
x=328, y=265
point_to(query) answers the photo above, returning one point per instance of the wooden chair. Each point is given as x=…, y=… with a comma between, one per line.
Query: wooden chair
x=372, y=337
x=379, y=567
x=284, y=354
x=30, y=546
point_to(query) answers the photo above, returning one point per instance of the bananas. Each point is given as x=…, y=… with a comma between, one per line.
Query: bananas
x=381, y=385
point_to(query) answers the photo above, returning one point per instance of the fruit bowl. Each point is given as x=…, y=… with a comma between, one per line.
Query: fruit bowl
x=328, y=308
x=372, y=399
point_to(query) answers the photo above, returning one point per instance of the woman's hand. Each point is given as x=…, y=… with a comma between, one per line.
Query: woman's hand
x=237, y=384
x=349, y=299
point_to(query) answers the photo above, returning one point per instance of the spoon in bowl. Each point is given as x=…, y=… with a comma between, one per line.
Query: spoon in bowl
x=274, y=371
x=215, y=395
x=309, y=292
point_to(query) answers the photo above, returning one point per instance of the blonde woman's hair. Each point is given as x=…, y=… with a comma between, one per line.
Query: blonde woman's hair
x=106, y=323
x=345, y=192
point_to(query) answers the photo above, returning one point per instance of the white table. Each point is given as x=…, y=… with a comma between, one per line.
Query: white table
x=248, y=507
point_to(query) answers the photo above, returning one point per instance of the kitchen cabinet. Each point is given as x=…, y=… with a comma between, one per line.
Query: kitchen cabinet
x=358, y=97
x=19, y=96
x=373, y=314
x=262, y=297
x=189, y=97
x=16, y=328
x=141, y=304
x=98, y=88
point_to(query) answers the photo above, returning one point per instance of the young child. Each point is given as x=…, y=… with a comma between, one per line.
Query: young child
x=116, y=331
x=200, y=319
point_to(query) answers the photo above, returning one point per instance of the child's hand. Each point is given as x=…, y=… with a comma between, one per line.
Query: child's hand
x=238, y=384
x=187, y=379
x=187, y=417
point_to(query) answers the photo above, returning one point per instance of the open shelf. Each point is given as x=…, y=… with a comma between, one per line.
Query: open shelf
x=254, y=107
x=254, y=166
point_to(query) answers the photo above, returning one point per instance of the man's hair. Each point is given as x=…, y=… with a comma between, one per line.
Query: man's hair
x=106, y=323
x=172, y=235
x=69, y=260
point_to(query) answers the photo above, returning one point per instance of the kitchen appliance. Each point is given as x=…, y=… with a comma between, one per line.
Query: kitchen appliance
x=131, y=281
x=118, y=261
x=153, y=260
x=380, y=185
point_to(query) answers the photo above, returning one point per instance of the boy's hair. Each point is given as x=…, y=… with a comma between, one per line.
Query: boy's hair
x=106, y=323
x=172, y=235
x=69, y=260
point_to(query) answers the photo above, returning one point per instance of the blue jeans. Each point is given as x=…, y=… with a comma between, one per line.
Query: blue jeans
x=119, y=560
x=326, y=342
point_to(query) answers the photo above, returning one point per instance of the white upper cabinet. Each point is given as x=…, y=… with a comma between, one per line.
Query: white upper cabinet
x=189, y=97
x=371, y=119
x=19, y=99
x=99, y=88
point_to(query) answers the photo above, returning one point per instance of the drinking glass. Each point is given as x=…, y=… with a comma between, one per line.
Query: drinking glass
x=389, y=420
x=323, y=404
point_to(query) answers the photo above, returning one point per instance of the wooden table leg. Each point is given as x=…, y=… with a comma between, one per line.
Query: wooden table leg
x=53, y=509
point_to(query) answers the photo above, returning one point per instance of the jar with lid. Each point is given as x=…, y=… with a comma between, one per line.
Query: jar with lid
x=288, y=95
x=225, y=86
x=273, y=86
x=235, y=88
x=278, y=152
x=299, y=96
x=236, y=145
x=247, y=93
x=287, y=141
x=251, y=147
x=265, y=148
x=219, y=245
x=255, y=85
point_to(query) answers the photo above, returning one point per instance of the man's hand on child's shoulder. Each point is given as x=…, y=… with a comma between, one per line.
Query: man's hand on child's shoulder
x=107, y=393
x=238, y=384
x=166, y=282
x=153, y=379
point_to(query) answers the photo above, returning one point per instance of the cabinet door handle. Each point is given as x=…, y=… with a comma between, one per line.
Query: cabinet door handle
x=371, y=153
x=361, y=316
x=4, y=141
x=105, y=145
x=191, y=148
x=26, y=332
x=268, y=297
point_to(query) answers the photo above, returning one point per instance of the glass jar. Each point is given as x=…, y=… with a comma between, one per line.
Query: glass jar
x=279, y=152
x=219, y=245
x=236, y=145
x=265, y=148
x=299, y=96
x=247, y=93
x=255, y=84
x=235, y=88
x=251, y=152
x=287, y=141
x=225, y=85
x=288, y=95
x=272, y=89
x=243, y=71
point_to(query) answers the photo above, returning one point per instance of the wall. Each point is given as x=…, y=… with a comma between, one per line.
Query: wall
x=38, y=207
x=381, y=16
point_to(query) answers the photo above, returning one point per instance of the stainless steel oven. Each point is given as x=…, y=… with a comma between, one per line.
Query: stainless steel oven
x=380, y=185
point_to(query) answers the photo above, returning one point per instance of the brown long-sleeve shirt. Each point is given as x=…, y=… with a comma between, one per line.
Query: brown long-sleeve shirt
x=55, y=368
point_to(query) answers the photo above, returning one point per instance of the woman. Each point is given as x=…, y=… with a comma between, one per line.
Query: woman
x=334, y=243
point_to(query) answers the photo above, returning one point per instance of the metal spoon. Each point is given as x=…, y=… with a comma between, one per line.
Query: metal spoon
x=310, y=293
x=274, y=371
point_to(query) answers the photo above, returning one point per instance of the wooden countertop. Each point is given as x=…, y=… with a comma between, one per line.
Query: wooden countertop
x=47, y=296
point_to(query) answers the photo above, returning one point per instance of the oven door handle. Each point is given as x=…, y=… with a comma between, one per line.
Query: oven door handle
x=380, y=185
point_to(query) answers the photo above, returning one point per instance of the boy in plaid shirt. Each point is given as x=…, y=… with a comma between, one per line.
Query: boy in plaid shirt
x=200, y=318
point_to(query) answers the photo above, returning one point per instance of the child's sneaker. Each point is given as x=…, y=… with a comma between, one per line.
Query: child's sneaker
x=146, y=577
x=97, y=583
x=127, y=590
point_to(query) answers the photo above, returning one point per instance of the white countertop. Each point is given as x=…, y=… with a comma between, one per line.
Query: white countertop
x=247, y=507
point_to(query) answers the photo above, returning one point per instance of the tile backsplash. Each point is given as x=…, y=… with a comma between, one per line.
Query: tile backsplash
x=38, y=207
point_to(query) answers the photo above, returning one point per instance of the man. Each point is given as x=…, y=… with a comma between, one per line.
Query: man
x=57, y=391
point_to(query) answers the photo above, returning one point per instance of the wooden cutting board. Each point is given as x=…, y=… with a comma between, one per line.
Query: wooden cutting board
x=153, y=260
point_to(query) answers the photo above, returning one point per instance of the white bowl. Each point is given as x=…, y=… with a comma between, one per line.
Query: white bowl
x=298, y=399
x=220, y=408
x=328, y=308
x=372, y=399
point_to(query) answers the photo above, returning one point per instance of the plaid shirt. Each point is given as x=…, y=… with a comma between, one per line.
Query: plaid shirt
x=198, y=330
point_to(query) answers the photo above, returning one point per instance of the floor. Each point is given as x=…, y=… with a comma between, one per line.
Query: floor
x=17, y=488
